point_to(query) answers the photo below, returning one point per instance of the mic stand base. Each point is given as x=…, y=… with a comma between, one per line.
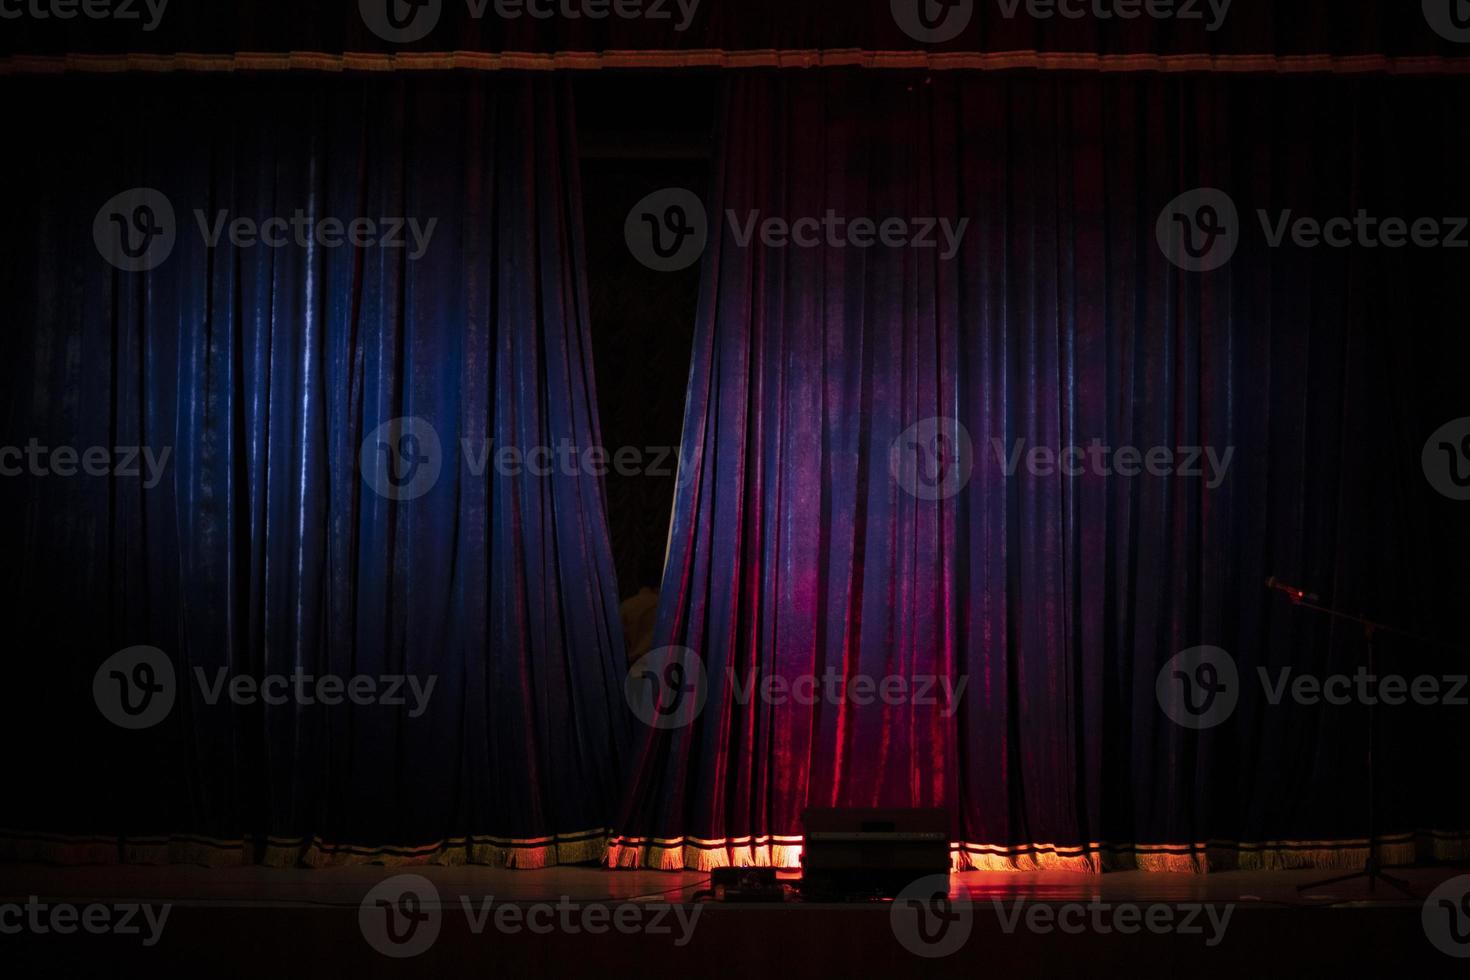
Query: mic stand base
x=1371, y=870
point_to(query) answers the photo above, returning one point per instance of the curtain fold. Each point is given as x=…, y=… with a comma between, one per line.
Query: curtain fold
x=347, y=416
x=862, y=502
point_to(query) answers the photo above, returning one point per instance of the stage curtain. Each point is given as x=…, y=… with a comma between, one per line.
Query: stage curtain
x=287, y=532
x=816, y=533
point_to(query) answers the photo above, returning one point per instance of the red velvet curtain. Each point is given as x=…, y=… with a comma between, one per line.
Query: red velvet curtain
x=831, y=523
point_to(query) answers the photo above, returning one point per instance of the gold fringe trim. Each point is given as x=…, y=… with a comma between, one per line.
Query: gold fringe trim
x=20, y=849
x=1445, y=847
x=494, y=852
x=695, y=854
x=1040, y=857
x=1293, y=855
x=505, y=852
x=206, y=853
x=365, y=61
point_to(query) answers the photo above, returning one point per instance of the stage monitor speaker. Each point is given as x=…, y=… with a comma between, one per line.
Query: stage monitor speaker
x=856, y=854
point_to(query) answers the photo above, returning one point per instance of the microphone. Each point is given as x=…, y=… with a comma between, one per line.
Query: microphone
x=1292, y=592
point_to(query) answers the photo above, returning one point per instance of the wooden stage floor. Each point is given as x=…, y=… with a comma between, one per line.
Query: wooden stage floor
x=258, y=921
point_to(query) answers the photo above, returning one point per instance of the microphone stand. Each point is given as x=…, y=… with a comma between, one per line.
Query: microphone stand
x=1372, y=870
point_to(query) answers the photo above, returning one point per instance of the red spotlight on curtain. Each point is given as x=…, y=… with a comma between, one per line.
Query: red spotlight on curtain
x=958, y=495
x=364, y=342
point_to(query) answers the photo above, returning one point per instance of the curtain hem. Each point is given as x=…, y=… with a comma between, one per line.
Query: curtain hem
x=503, y=852
x=696, y=854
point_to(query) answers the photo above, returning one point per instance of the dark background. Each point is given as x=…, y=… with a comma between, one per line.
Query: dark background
x=639, y=133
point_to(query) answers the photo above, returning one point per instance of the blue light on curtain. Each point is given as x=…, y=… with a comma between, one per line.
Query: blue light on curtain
x=276, y=542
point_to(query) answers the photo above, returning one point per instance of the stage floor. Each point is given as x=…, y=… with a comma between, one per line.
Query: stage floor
x=253, y=886
x=258, y=921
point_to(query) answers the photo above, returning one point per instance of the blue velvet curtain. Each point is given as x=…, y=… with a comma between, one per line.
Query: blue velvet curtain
x=848, y=511
x=293, y=526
